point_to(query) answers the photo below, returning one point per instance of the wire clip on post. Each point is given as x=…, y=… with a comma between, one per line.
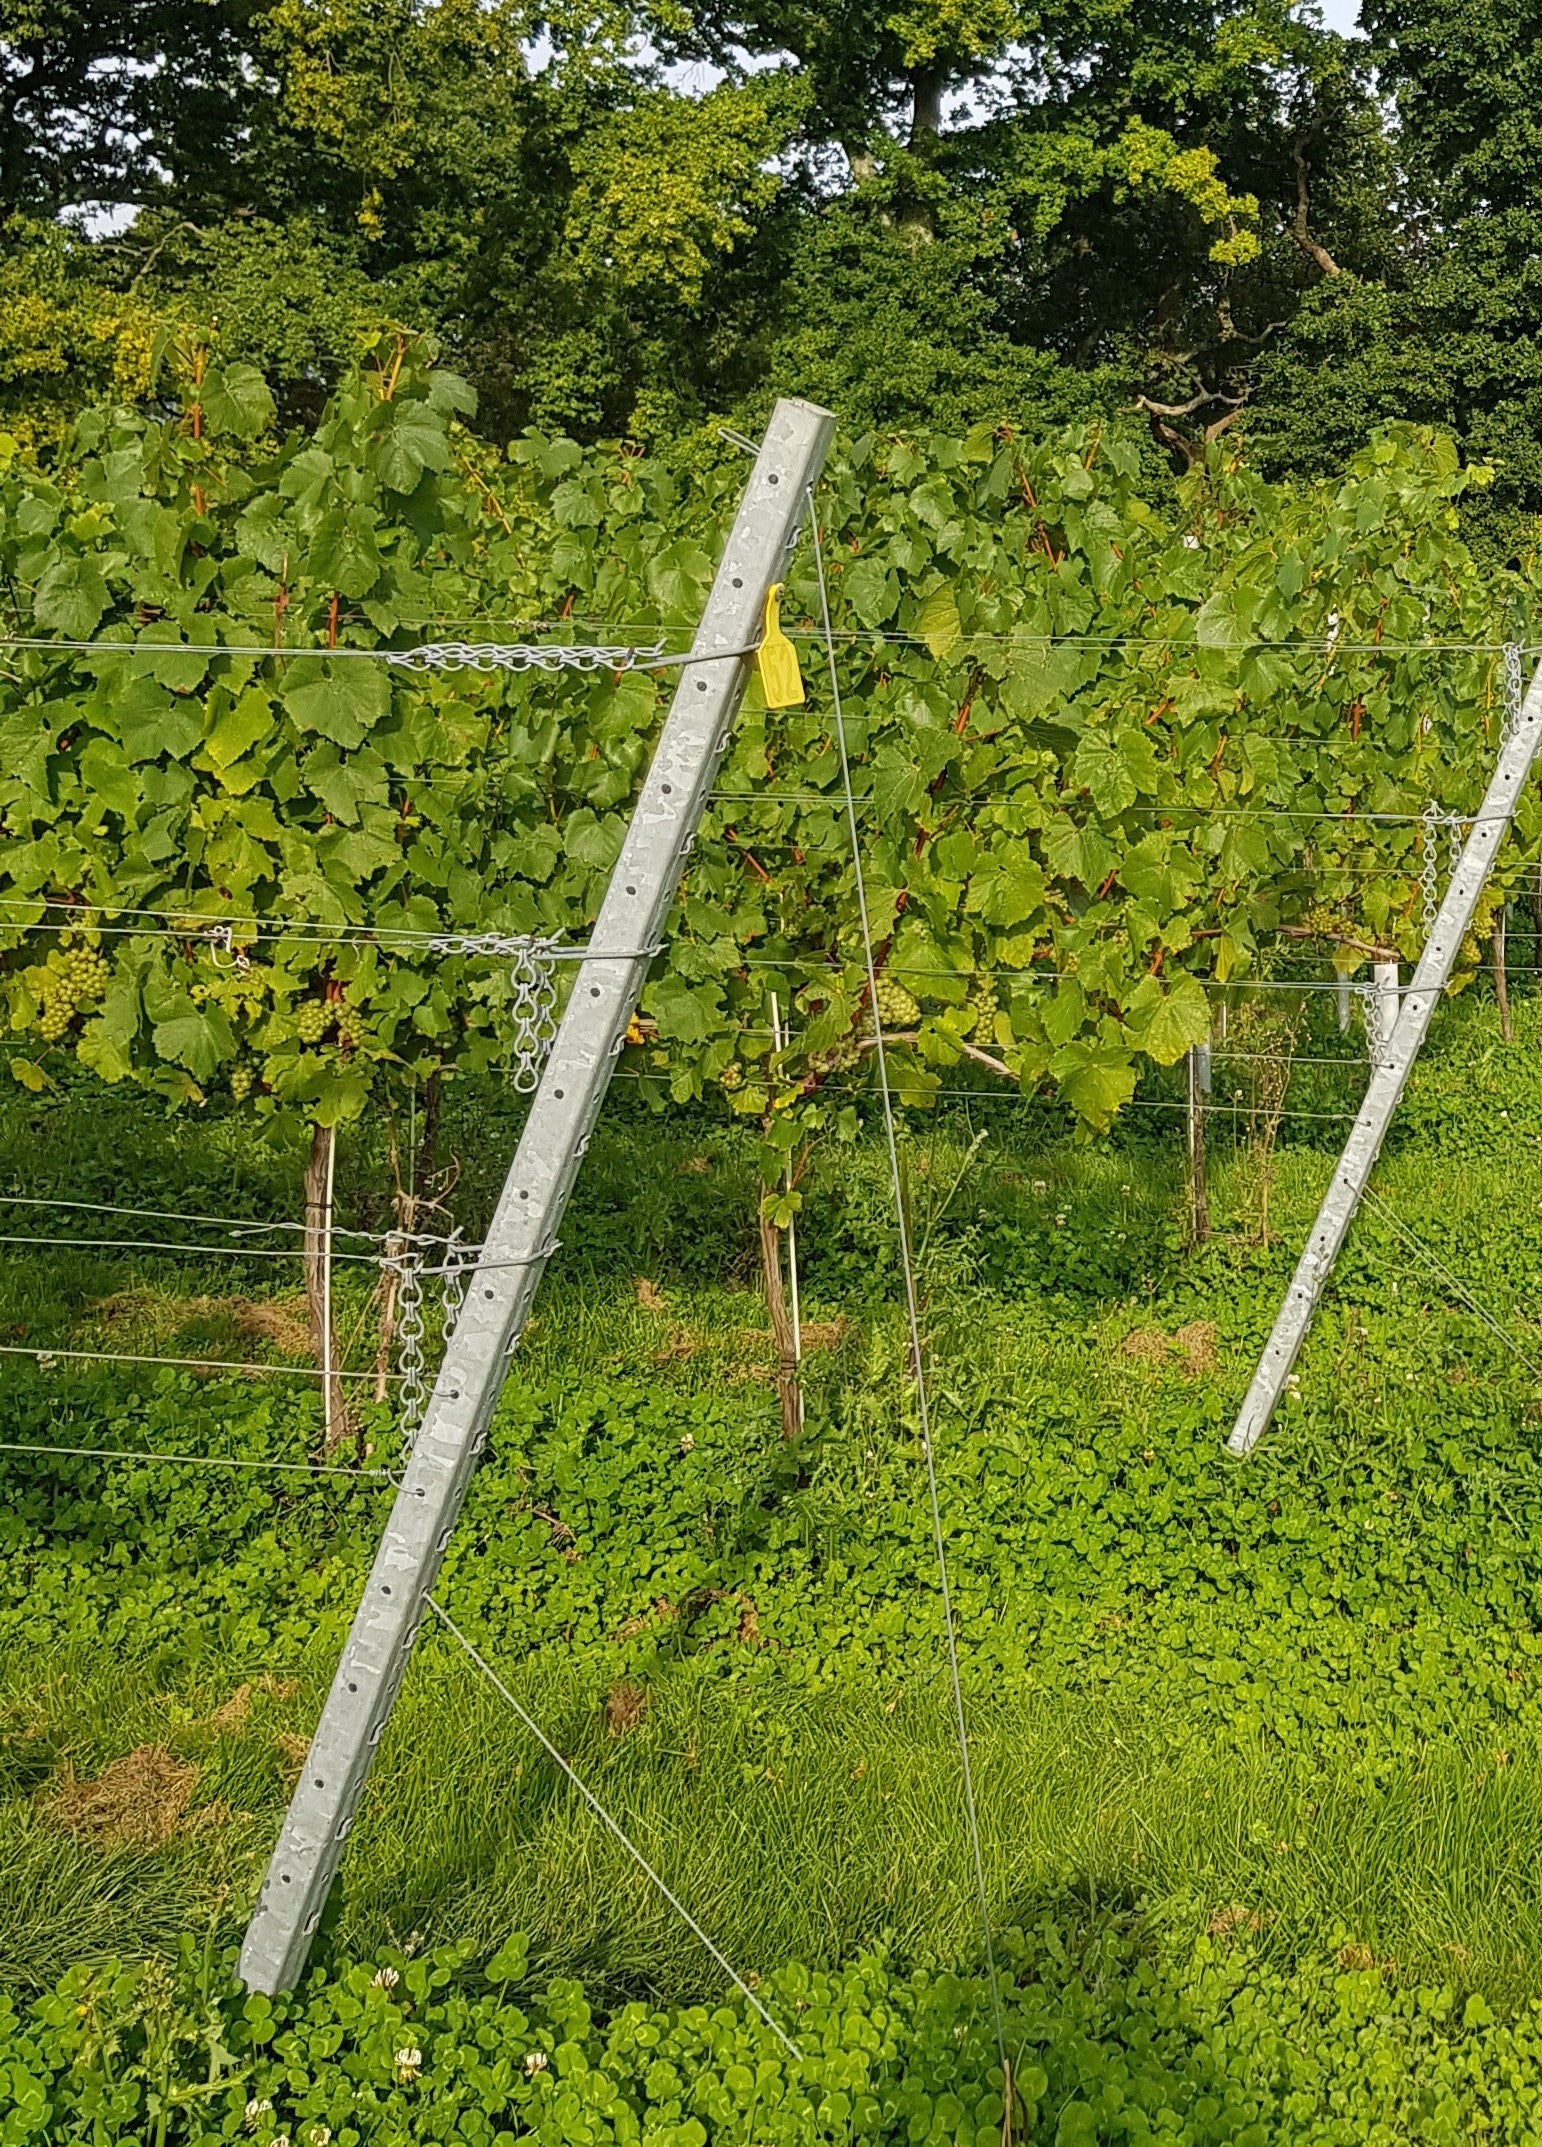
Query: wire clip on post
x=1391, y=1070
x=503, y=1282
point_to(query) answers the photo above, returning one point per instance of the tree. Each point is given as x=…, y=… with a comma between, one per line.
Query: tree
x=1445, y=327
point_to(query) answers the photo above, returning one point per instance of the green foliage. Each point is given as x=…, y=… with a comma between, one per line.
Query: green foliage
x=1104, y=2044
x=312, y=789
x=1101, y=744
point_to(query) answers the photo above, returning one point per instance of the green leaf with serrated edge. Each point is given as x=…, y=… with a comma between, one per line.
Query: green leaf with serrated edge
x=198, y=1041
x=871, y=591
x=247, y=719
x=341, y=697
x=70, y=597
x=235, y=399
x=410, y=441
x=105, y=769
x=1101, y=769
x=937, y=622
x=1167, y=1022
x=1096, y=1080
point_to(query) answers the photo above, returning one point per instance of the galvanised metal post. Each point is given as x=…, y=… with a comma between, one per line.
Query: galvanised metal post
x=1393, y=1062
x=562, y=1114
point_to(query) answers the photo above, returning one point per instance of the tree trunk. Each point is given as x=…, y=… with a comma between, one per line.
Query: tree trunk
x=787, y=1389
x=1501, y=982
x=318, y=1281
x=926, y=87
x=428, y=1146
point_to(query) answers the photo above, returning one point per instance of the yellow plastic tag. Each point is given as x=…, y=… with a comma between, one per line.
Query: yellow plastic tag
x=781, y=682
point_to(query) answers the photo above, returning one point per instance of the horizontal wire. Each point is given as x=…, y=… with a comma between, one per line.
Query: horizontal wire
x=1209, y=812
x=200, y=1461
x=1016, y=1095
x=223, y=1252
x=197, y=922
x=417, y=661
x=1324, y=647
x=197, y=1364
x=177, y=1215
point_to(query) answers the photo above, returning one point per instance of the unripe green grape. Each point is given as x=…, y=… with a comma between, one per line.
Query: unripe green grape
x=241, y=1082
x=896, y=1008
x=312, y=1020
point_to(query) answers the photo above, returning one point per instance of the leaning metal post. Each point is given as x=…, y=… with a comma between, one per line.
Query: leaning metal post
x=1393, y=1063
x=509, y=1266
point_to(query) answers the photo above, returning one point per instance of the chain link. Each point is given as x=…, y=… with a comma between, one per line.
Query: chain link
x=534, y=978
x=404, y=1254
x=457, y=1258
x=1514, y=690
x=1428, y=827
x=519, y=656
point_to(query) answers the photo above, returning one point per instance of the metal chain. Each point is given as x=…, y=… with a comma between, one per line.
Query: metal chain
x=518, y=656
x=457, y=1258
x=1428, y=826
x=534, y=978
x=1514, y=689
x=412, y=1393
x=535, y=1013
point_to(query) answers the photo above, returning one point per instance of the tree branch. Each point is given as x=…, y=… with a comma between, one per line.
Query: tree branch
x=1341, y=939
x=1195, y=402
x=1315, y=253
x=970, y=1051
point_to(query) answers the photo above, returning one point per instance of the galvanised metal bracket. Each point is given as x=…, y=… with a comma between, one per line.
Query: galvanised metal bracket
x=1393, y=1063
x=508, y=1270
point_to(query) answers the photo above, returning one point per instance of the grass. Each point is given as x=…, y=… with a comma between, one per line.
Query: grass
x=1289, y=1706
x=836, y=1827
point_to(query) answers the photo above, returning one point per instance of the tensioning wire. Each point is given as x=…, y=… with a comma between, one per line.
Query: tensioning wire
x=1422, y=1251
x=1325, y=646
x=469, y=656
x=45, y=1357
x=219, y=1252
x=196, y=924
x=177, y=1215
x=913, y=1319
x=1350, y=817
x=194, y=1461
x=615, y=1828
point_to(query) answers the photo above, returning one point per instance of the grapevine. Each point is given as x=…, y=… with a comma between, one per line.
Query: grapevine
x=1115, y=753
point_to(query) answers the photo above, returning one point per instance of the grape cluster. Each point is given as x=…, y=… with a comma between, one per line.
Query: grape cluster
x=350, y=1027
x=313, y=1018
x=241, y=1082
x=76, y=977
x=896, y=1008
x=982, y=1010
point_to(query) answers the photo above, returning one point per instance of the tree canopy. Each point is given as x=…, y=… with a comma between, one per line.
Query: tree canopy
x=632, y=217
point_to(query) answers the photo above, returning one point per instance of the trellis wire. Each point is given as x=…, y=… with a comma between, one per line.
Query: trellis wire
x=913, y=1318
x=57, y=1352
x=615, y=1829
x=451, y=656
x=198, y=1461
x=1422, y=1251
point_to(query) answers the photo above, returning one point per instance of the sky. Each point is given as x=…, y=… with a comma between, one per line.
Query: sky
x=1342, y=15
